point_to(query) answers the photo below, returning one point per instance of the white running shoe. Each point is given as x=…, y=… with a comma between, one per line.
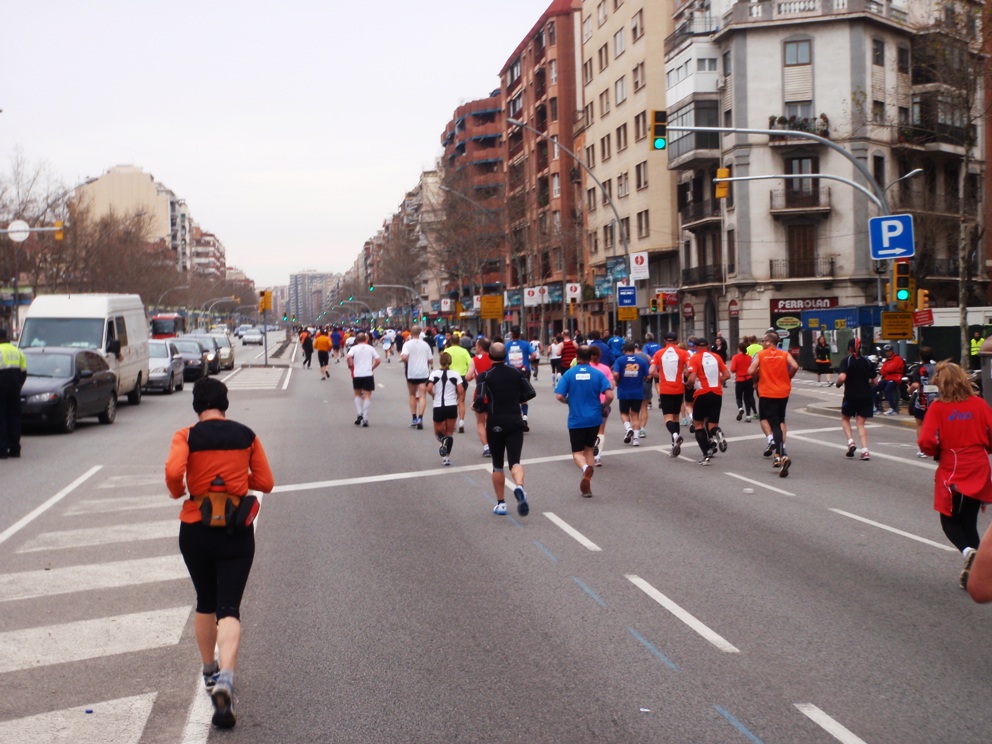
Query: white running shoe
x=500, y=509
x=628, y=437
x=598, y=460
x=636, y=442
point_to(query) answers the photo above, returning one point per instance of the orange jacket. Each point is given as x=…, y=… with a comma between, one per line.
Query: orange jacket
x=322, y=343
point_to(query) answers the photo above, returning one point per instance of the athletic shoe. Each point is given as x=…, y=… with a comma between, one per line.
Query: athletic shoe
x=322, y=378
x=921, y=455
x=865, y=455
x=523, y=508
x=642, y=434
x=222, y=696
x=636, y=442
x=595, y=447
x=358, y=421
x=777, y=462
x=585, y=485
x=684, y=422
x=365, y=423
x=786, y=462
x=210, y=679
x=461, y=426
x=598, y=460
x=721, y=441
x=413, y=423
x=747, y=420
x=526, y=425
x=446, y=461
x=486, y=452
x=443, y=449
x=628, y=437
x=706, y=460
x=711, y=452
x=677, y=446
x=968, y=561
x=891, y=412
x=692, y=427
x=500, y=509
x=851, y=446
x=769, y=449
x=740, y=413
x=420, y=422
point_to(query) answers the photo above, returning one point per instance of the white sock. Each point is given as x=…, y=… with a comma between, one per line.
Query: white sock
x=358, y=406
x=366, y=405
x=771, y=439
x=626, y=426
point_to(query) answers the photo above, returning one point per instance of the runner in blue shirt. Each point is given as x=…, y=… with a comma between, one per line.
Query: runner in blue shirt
x=519, y=354
x=650, y=345
x=580, y=388
x=616, y=342
x=606, y=356
x=630, y=371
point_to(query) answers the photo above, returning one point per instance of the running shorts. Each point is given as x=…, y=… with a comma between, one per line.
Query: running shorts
x=864, y=408
x=363, y=383
x=707, y=408
x=445, y=413
x=627, y=405
x=671, y=404
x=772, y=408
x=584, y=438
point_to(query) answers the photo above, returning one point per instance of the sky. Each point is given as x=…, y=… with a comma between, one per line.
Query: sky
x=291, y=129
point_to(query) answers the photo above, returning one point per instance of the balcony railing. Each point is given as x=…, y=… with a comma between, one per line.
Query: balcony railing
x=798, y=268
x=786, y=199
x=702, y=275
x=697, y=211
x=689, y=29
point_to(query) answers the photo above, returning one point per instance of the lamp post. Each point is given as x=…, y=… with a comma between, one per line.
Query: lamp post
x=411, y=290
x=358, y=302
x=158, y=302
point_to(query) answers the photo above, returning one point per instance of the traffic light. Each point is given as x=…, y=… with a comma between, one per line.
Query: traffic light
x=722, y=187
x=351, y=298
x=922, y=299
x=654, y=304
x=294, y=318
x=371, y=288
x=902, y=285
x=659, y=130
x=264, y=299
x=59, y=232
x=284, y=317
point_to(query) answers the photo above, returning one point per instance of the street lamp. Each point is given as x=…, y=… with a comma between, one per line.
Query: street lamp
x=158, y=303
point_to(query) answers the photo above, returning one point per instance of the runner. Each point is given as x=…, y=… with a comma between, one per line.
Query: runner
x=363, y=359
x=775, y=368
x=306, y=341
x=554, y=359
x=743, y=383
x=630, y=370
x=535, y=344
x=648, y=392
x=419, y=359
x=322, y=345
x=584, y=388
x=568, y=348
x=707, y=373
x=596, y=363
x=387, y=344
x=480, y=363
x=445, y=386
x=336, y=338
x=857, y=375
x=668, y=368
x=519, y=355
x=924, y=392
x=461, y=359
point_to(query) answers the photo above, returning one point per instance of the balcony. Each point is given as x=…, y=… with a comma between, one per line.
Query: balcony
x=687, y=30
x=935, y=138
x=819, y=126
x=698, y=214
x=702, y=275
x=786, y=202
x=694, y=151
x=800, y=268
x=765, y=11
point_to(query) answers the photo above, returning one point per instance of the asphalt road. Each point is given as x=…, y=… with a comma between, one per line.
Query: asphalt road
x=388, y=604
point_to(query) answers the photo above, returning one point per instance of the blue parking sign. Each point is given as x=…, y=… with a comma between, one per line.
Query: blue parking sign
x=626, y=296
x=891, y=236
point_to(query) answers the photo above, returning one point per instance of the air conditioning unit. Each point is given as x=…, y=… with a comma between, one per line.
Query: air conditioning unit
x=721, y=83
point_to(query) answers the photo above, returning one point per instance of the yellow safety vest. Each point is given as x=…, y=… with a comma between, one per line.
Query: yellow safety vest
x=976, y=344
x=12, y=358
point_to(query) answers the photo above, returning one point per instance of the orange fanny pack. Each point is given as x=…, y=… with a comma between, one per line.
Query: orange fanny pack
x=217, y=508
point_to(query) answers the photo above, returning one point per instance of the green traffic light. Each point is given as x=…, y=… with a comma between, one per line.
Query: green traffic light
x=371, y=288
x=660, y=143
x=902, y=295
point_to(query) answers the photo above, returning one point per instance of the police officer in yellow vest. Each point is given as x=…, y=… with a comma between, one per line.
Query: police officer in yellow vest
x=13, y=372
x=976, y=345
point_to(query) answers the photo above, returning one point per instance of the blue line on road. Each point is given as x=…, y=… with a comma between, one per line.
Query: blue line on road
x=738, y=725
x=590, y=592
x=653, y=649
x=545, y=551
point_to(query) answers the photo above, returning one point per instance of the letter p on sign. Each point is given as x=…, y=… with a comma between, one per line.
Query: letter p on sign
x=891, y=236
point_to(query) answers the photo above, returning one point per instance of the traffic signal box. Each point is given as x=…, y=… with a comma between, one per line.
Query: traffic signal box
x=264, y=300
x=922, y=299
x=903, y=286
x=654, y=303
x=59, y=230
x=722, y=187
x=659, y=130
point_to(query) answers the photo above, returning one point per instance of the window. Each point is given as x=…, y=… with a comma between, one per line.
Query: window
x=121, y=330
x=728, y=118
x=589, y=114
x=604, y=57
x=620, y=88
x=641, y=175
x=607, y=190
x=617, y=4
x=554, y=109
x=878, y=168
x=556, y=221
x=553, y=71
x=552, y=40
x=726, y=64
x=643, y=225
x=591, y=199
x=637, y=25
x=586, y=29
x=608, y=233
x=619, y=43
x=641, y=125
x=799, y=110
x=587, y=71
x=554, y=147
x=797, y=53
x=621, y=137
x=516, y=105
x=729, y=201
x=638, y=76
x=878, y=112
x=604, y=148
x=555, y=185
x=626, y=226
x=706, y=64
x=604, y=103
x=513, y=74
x=731, y=252
x=903, y=116
x=593, y=243
x=878, y=52
x=591, y=156
x=623, y=184
x=678, y=74
x=902, y=60
x=601, y=12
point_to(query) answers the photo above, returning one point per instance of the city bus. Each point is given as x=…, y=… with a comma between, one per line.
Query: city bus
x=168, y=325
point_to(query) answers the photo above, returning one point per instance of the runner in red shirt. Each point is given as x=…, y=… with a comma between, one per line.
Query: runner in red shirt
x=707, y=373
x=480, y=363
x=668, y=367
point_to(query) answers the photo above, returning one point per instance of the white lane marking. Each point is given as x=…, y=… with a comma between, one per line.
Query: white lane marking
x=914, y=461
x=828, y=724
x=759, y=483
x=198, y=720
x=387, y=477
x=26, y=520
x=132, y=481
x=30, y=584
x=881, y=526
x=572, y=532
x=91, y=639
x=90, y=536
x=289, y=373
x=710, y=635
x=233, y=373
x=119, y=504
x=121, y=721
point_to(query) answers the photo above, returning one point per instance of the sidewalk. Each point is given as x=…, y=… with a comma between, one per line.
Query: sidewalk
x=904, y=420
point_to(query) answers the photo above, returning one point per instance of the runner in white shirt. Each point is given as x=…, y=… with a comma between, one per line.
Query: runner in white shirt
x=388, y=339
x=535, y=344
x=554, y=357
x=418, y=357
x=446, y=386
x=362, y=360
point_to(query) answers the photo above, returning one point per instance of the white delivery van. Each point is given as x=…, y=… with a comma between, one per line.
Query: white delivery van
x=114, y=324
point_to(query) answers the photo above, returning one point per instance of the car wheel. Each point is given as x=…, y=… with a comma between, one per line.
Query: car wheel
x=134, y=397
x=110, y=411
x=171, y=386
x=182, y=381
x=68, y=424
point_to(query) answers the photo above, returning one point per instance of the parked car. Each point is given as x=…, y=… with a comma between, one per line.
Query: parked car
x=210, y=343
x=195, y=364
x=225, y=350
x=252, y=336
x=65, y=385
x=165, y=366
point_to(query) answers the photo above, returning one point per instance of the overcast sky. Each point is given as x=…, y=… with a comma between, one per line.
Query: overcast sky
x=292, y=129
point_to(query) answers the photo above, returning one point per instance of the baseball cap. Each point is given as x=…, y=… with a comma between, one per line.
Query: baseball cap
x=670, y=336
x=702, y=342
x=887, y=347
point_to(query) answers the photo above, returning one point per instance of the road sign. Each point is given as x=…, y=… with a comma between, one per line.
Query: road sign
x=627, y=313
x=897, y=326
x=626, y=296
x=639, y=266
x=573, y=291
x=891, y=236
x=18, y=231
x=923, y=317
x=491, y=307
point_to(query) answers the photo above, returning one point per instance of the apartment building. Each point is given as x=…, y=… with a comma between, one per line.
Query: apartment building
x=884, y=80
x=207, y=253
x=307, y=292
x=540, y=87
x=623, y=80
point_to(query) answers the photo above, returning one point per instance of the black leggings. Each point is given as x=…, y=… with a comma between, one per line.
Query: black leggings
x=504, y=437
x=961, y=527
x=744, y=390
x=219, y=564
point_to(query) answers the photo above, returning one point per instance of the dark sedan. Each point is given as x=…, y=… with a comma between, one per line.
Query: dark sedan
x=195, y=359
x=65, y=385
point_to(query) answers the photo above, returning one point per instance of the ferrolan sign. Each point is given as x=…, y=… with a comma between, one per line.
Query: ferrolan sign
x=785, y=313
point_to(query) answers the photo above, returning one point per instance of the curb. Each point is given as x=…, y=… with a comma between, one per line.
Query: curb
x=902, y=421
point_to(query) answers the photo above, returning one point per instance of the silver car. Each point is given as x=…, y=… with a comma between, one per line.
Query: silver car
x=252, y=336
x=225, y=349
x=165, y=366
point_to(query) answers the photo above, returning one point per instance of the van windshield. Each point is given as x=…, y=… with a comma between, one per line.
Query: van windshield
x=79, y=333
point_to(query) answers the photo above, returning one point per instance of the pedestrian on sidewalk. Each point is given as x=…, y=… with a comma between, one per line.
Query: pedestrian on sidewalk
x=583, y=388
x=445, y=386
x=856, y=375
x=822, y=353
x=957, y=431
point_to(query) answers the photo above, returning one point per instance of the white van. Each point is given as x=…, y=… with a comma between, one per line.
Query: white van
x=114, y=324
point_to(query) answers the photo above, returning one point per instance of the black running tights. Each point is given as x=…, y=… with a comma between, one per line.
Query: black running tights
x=961, y=527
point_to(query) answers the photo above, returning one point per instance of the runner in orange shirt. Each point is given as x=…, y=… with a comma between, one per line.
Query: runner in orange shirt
x=667, y=367
x=707, y=373
x=775, y=368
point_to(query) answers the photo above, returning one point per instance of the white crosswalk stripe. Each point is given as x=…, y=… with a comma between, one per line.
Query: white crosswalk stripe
x=30, y=584
x=121, y=721
x=101, y=535
x=255, y=378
